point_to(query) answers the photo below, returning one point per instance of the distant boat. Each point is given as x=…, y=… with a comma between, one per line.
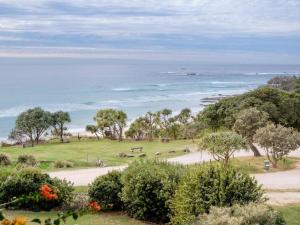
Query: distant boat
x=191, y=74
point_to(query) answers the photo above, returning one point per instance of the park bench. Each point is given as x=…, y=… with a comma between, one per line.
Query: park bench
x=137, y=148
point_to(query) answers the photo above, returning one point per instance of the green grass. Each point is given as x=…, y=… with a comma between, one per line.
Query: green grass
x=92, y=219
x=291, y=213
x=84, y=153
x=256, y=164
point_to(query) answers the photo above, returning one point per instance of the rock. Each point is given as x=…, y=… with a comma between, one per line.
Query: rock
x=129, y=155
x=172, y=151
x=157, y=153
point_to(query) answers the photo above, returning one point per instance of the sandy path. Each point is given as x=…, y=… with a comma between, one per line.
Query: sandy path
x=279, y=180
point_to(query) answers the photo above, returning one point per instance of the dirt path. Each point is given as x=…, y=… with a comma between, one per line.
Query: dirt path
x=285, y=180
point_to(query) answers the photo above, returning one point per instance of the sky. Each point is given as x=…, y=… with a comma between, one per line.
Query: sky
x=209, y=31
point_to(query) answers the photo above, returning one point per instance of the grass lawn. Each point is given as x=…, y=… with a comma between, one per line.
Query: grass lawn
x=84, y=153
x=256, y=164
x=291, y=213
x=93, y=219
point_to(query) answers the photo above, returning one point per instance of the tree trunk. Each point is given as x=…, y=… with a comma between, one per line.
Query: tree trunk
x=254, y=150
x=61, y=134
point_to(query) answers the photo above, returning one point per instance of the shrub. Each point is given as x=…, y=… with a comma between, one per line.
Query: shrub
x=4, y=174
x=28, y=160
x=212, y=185
x=63, y=164
x=4, y=160
x=148, y=189
x=251, y=214
x=105, y=190
x=26, y=184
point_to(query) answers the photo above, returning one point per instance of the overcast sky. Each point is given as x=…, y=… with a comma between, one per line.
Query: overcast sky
x=221, y=31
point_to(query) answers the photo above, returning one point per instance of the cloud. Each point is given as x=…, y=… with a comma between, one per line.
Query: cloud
x=151, y=24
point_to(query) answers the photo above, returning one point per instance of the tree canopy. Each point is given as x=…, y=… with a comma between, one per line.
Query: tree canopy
x=33, y=123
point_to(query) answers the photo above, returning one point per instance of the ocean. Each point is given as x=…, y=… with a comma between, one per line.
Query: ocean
x=83, y=86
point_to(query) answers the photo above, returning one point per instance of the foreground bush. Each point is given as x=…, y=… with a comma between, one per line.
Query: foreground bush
x=4, y=160
x=63, y=164
x=106, y=189
x=4, y=174
x=211, y=185
x=35, y=190
x=148, y=189
x=251, y=214
x=28, y=160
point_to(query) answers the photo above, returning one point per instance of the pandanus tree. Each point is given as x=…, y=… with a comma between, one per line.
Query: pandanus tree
x=58, y=121
x=112, y=122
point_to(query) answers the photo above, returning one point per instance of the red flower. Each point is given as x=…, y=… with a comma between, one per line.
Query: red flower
x=47, y=192
x=94, y=206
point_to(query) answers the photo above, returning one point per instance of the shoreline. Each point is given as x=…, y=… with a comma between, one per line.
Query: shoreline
x=203, y=102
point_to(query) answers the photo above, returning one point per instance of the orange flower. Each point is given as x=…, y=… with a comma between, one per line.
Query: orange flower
x=19, y=221
x=94, y=206
x=6, y=222
x=48, y=193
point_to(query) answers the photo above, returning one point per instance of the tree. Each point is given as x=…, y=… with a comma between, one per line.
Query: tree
x=150, y=125
x=136, y=129
x=278, y=141
x=17, y=136
x=112, y=122
x=246, y=124
x=222, y=145
x=93, y=129
x=33, y=123
x=185, y=119
x=163, y=122
x=58, y=121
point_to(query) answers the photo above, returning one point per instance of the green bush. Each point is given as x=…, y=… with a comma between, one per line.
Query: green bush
x=251, y=214
x=63, y=164
x=25, y=185
x=148, y=188
x=4, y=174
x=28, y=160
x=4, y=160
x=106, y=189
x=212, y=185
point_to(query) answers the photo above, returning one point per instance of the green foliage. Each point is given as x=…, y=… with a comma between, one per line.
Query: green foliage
x=248, y=121
x=106, y=189
x=63, y=164
x=28, y=160
x=26, y=184
x=282, y=107
x=111, y=122
x=4, y=160
x=58, y=121
x=222, y=145
x=4, y=174
x=252, y=214
x=286, y=83
x=93, y=130
x=148, y=189
x=211, y=185
x=277, y=141
x=33, y=123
